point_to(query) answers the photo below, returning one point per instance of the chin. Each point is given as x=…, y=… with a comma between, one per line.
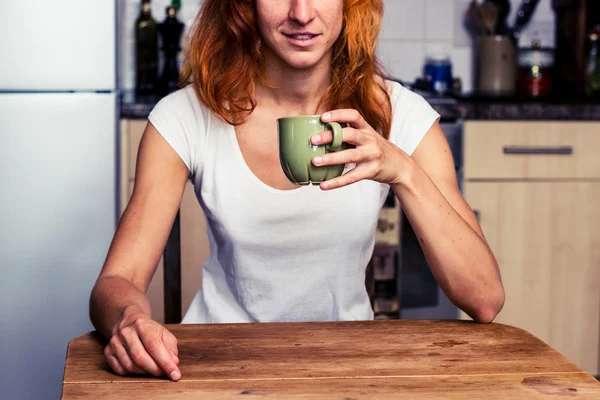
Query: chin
x=303, y=61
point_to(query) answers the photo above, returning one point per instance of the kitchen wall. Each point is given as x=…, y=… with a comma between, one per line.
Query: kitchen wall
x=411, y=30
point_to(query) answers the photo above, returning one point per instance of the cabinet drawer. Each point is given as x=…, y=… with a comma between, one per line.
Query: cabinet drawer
x=531, y=150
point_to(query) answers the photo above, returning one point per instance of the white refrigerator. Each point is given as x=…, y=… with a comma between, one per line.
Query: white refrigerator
x=58, y=181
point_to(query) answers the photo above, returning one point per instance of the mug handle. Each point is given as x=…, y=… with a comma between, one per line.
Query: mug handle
x=338, y=136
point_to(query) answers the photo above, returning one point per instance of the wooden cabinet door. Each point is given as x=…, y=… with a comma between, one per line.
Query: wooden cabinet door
x=194, y=240
x=531, y=150
x=546, y=238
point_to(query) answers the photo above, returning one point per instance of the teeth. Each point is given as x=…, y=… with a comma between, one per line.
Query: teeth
x=302, y=37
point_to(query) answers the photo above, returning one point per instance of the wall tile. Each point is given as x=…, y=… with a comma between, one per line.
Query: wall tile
x=404, y=60
x=462, y=66
x=438, y=48
x=403, y=19
x=439, y=19
x=462, y=36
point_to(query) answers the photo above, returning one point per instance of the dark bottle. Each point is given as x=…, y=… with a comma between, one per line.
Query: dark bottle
x=170, y=31
x=146, y=51
x=593, y=66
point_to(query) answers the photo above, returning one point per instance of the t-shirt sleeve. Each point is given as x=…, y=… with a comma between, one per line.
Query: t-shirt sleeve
x=412, y=117
x=179, y=120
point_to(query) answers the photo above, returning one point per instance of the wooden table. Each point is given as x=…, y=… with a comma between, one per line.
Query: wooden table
x=341, y=360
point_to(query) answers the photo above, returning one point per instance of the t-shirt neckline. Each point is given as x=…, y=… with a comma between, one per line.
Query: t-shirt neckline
x=238, y=151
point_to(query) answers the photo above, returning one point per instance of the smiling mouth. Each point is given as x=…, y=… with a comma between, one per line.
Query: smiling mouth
x=301, y=36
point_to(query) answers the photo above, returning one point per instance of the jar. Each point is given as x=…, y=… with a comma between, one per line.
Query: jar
x=534, y=72
x=438, y=71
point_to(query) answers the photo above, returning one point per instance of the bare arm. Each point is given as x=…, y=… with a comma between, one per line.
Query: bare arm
x=425, y=184
x=448, y=231
x=118, y=299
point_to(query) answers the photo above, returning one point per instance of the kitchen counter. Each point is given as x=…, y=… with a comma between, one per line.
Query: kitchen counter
x=465, y=108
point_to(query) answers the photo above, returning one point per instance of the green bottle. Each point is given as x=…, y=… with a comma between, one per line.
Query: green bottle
x=170, y=30
x=593, y=68
x=146, y=51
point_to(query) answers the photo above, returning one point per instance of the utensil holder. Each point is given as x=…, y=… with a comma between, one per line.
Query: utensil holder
x=496, y=66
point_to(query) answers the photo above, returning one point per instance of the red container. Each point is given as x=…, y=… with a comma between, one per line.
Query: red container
x=534, y=73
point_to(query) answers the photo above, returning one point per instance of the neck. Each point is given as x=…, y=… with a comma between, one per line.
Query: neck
x=294, y=91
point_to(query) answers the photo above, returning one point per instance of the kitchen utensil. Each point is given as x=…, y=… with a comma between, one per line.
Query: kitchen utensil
x=489, y=15
x=503, y=7
x=496, y=66
x=523, y=17
x=475, y=15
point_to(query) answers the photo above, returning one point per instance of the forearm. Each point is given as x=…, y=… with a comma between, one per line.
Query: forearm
x=110, y=299
x=458, y=256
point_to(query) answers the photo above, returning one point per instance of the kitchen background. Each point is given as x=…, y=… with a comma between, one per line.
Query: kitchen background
x=52, y=249
x=412, y=30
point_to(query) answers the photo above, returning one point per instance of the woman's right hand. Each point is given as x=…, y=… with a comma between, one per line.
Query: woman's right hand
x=140, y=345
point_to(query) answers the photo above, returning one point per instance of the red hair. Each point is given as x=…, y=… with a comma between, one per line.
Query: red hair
x=224, y=60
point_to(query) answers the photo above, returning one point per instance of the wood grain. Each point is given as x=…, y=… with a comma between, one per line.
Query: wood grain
x=336, y=349
x=484, y=142
x=502, y=387
x=546, y=238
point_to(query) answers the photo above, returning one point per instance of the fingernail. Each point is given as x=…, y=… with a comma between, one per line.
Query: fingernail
x=175, y=375
x=326, y=116
x=318, y=160
x=324, y=185
x=316, y=138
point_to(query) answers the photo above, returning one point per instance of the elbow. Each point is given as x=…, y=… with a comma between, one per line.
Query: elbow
x=486, y=311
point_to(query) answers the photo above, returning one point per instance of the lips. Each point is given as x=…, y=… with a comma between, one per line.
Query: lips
x=301, y=36
x=301, y=39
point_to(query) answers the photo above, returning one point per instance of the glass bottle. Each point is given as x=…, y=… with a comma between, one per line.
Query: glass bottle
x=593, y=66
x=146, y=51
x=170, y=31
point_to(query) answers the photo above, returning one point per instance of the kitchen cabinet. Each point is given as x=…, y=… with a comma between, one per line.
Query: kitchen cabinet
x=536, y=187
x=194, y=240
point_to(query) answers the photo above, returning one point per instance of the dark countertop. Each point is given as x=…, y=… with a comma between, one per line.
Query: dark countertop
x=465, y=108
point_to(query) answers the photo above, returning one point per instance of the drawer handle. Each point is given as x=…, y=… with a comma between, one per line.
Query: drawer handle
x=561, y=150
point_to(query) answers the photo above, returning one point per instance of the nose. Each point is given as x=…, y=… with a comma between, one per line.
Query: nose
x=301, y=11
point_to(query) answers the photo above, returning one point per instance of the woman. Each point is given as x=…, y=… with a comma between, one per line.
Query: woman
x=279, y=252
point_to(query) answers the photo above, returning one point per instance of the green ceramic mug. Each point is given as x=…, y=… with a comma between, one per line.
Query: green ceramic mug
x=296, y=151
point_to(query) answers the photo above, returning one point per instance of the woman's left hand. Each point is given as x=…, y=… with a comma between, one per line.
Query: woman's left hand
x=375, y=157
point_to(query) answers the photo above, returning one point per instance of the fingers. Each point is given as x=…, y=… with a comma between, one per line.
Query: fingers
x=145, y=346
x=154, y=345
x=351, y=116
x=141, y=357
x=170, y=342
x=114, y=364
x=344, y=180
x=356, y=155
x=351, y=136
x=119, y=360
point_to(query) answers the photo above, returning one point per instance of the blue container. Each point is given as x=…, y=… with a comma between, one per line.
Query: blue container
x=438, y=71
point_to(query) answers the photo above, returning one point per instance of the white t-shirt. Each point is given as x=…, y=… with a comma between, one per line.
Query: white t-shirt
x=277, y=255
